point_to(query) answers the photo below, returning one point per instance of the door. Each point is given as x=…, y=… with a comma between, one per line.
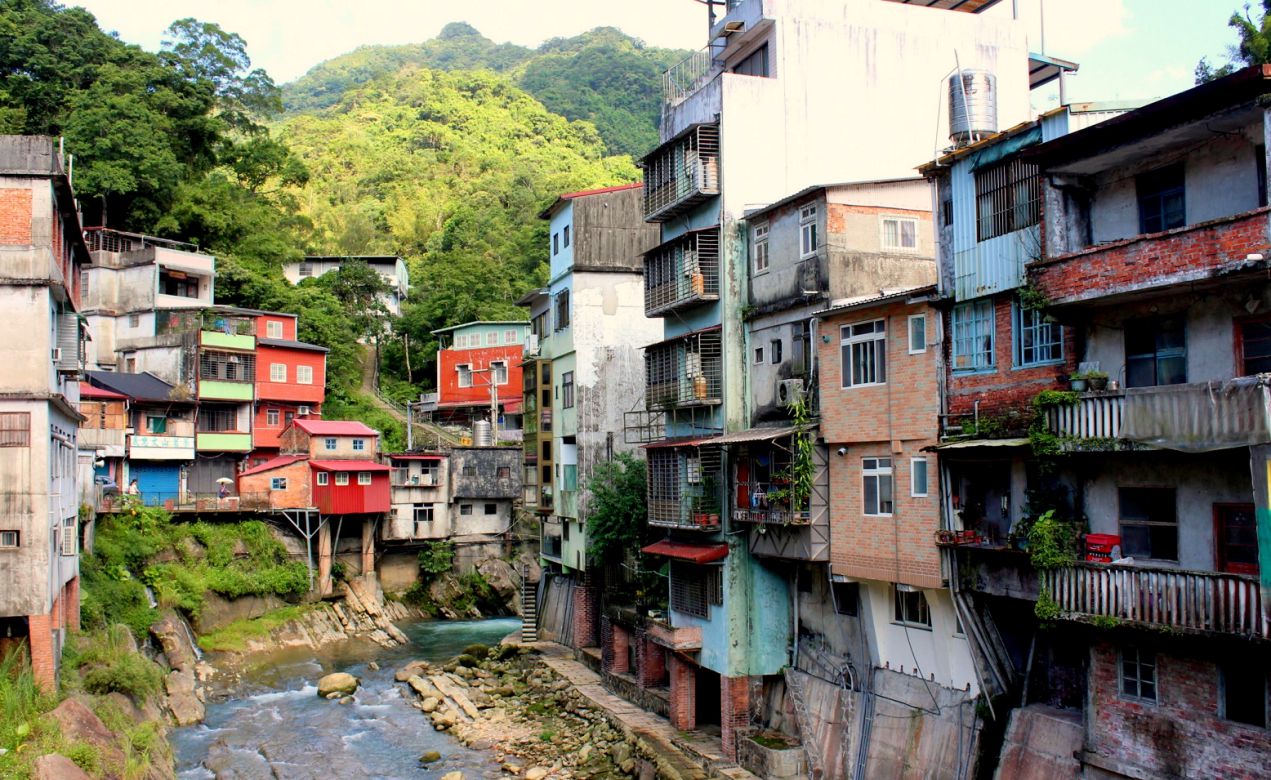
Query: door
x=158, y=482
x=1236, y=538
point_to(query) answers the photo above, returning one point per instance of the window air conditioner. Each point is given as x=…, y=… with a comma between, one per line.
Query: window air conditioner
x=789, y=391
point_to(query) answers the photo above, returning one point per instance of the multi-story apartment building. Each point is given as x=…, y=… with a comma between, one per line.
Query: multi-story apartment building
x=537, y=406
x=291, y=380
x=759, y=114
x=42, y=255
x=391, y=269
x=479, y=372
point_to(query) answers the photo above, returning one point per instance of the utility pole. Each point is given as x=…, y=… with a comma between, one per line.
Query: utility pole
x=410, y=433
x=494, y=397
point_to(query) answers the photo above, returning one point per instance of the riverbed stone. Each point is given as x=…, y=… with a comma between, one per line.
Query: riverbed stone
x=183, y=700
x=430, y=757
x=429, y=704
x=536, y=773
x=452, y=776
x=338, y=682
x=511, y=768
x=56, y=766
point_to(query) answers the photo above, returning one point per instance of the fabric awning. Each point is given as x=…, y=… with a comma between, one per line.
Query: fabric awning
x=684, y=551
x=974, y=443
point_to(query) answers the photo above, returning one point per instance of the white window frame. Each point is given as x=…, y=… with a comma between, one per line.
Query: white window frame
x=499, y=370
x=364, y=477
x=323, y=478
x=10, y=540
x=900, y=615
x=304, y=375
x=341, y=477
x=278, y=483
x=277, y=372
x=808, y=231
x=919, y=318
x=876, y=340
x=329, y=443
x=70, y=537
x=272, y=417
x=359, y=445
x=914, y=491
x=899, y=245
x=877, y=472
x=465, y=374
x=509, y=336
x=759, y=248
x=273, y=329
x=492, y=339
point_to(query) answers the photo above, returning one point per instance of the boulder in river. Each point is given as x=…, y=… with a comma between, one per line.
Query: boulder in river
x=339, y=682
x=55, y=766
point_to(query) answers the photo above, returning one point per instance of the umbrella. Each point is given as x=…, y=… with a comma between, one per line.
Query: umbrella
x=225, y=481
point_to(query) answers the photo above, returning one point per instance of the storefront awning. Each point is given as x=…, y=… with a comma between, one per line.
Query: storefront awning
x=684, y=551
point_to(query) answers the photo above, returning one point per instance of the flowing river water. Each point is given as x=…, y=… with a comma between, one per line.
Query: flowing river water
x=276, y=726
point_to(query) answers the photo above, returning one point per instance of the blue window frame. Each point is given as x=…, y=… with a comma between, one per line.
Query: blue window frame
x=329, y=443
x=1038, y=341
x=973, y=336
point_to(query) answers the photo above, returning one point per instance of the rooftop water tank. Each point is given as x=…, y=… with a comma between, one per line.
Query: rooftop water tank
x=972, y=106
x=482, y=435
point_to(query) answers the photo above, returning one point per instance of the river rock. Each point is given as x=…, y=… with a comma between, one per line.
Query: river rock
x=535, y=773
x=429, y=704
x=56, y=766
x=452, y=776
x=512, y=769
x=174, y=637
x=430, y=757
x=79, y=724
x=218, y=611
x=338, y=682
x=183, y=698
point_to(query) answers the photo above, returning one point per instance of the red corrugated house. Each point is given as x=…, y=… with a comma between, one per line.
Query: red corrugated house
x=325, y=464
x=290, y=382
x=476, y=357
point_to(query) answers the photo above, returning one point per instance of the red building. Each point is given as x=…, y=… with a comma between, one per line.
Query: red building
x=325, y=464
x=476, y=358
x=290, y=382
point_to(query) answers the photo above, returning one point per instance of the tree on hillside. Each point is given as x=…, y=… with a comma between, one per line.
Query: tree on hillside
x=1254, y=47
x=205, y=54
x=358, y=288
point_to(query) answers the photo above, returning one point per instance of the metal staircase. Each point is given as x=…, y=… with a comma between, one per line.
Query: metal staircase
x=529, y=608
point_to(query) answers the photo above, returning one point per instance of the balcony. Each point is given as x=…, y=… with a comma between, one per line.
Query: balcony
x=1096, y=415
x=1155, y=262
x=1173, y=599
x=681, y=173
x=223, y=442
x=684, y=486
x=682, y=273
x=689, y=75
x=109, y=440
x=682, y=638
x=684, y=372
x=1199, y=416
x=160, y=447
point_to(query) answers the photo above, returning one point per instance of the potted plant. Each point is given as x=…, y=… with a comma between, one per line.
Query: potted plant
x=1077, y=381
x=1097, y=380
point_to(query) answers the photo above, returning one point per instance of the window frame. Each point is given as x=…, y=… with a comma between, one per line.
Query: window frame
x=759, y=249
x=909, y=330
x=499, y=372
x=341, y=478
x=926, y=477
x=464, y=371
x=273, y=329
x=808, y=231
x=364, y=478
x=465, y=510
x=490, y=509
x=1242, y=341
x=1011, y=190
x=1137, y=679
x=981, y=313
x=1020, y=327
x=565, y=237
x=273, y=418
x=329, y=443
x=878, y=473
x=560, y=305
x=278, y=483
x=1225, y=687
x=15, y=535
x=278, y=372
x=1155, y=326
x=907, y=615
x=1147, y=522
x=899, y=246
x=567, y=390
x=304, y=375
x=322, y=478
x=359, y=445
x=848, y=346
x=759, y=356
x=1152, y=189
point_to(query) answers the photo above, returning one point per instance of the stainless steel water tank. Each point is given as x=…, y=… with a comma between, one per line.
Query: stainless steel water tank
x=482, y=435
x=972, y=105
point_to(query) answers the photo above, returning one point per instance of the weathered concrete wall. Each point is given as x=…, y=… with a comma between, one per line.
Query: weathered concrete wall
x=1039, y=745
x=492, y=472
x=920, y=729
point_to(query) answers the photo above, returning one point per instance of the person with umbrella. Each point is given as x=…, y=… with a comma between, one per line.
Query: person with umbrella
x=222, y=492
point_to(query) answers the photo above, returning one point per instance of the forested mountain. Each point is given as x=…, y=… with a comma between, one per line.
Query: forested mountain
x=603, y=76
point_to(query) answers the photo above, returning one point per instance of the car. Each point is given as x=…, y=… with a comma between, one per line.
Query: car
x=106, y=485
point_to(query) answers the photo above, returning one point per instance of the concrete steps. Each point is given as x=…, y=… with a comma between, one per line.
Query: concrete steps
x=529, y=610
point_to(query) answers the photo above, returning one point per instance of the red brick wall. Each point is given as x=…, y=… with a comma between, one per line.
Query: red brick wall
x=1151, y=260
x=298, y=493
x=734, y=712
x=683, y=694
x=1180, y=735
x=15, y=216
x=72, y=604
x=651, y=659
x=585, y=616
x=614, y=644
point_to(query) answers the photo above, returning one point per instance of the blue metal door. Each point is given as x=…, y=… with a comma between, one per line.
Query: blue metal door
x=158, y=482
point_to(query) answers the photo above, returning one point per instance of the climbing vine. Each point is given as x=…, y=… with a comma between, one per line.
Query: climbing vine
x=802, y=466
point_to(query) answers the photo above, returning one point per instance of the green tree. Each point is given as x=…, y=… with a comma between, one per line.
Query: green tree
x=204, y=54
x=616, y=531
x=1254, y=47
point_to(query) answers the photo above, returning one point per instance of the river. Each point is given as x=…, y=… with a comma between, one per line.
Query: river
x=278, y=727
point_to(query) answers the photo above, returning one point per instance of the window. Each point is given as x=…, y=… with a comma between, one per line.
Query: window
x=1254, y=338
x=178, y=283
x=917, y=333
x=1243, y=686
x=510, y=337
x=278, y=483
x=758, y=356
x=304, y=375
x=503, y=472
x=555, y=244
x=341, y=477
x=271, y=417
x=15, y=429
x=277, y=372
x=562, y=310
x=911, y=608
x=1162, y=205
x=565, y=237
x=491, y=338
x=918, y=477
x=755, y=63
x=799, y=349
x=973, y=336
x=695, y=588
x=900, y=233
x=469, y=470
x=1138, y=673
x=863, y=353
x=465, y=509
x=807, y=231
x=134, y=320
x=329, y=443
x=774, y=350
x=287, y=417
x=1038, y=341
x=491, y=509
x=364, y=477
x=306, y=269
x=359, y=445
x=130, y=365
x=273, y=330
x=567, y=390
x=10, y=540
x=846, y=598
x=227, y=366
x=465, y=374
x=499, y=371
x=1007, y=198
x=1149, y=523
x=759, y=248
x=323, y=478
x=1155, y=352
x=156, y=423
x=876, y=474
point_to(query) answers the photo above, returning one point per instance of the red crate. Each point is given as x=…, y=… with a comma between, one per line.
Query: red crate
x=1102, y=543
x=1098, y=558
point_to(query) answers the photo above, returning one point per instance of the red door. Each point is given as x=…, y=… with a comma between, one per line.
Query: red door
x=1236, y=538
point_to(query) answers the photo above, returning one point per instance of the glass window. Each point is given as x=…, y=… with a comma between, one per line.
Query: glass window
x=562, y=310
x=364, y=477
x=1138, y=673
x=1155, y=352
x=555, y=244
x=1038, y=341
x=1162, y=205
x=911, y=608
x=499, y=370
x=341, y=477
x=156, y=423
x=277, y=372
x=273, y=329
x=973, y=336
x=509, y=336
x=1149, y=523
x=567, y=390
x=323, y=478
x=503, y=472
x=1007, y=198
x=774, y=351
x=900, y=233
x=492, y=338
x=807, y=231
x=863, y=353
x=10, y=539
x=278, y=483
x=329, y=443
x=917, y=333
x=758, y=355
x=359, y=444
x=877, y=487
x=271, y=417
x=918, y=477
x=565, y=237
x=1255, y=347
x=304, y=375
x=755, y=63
x=759, y=248
x=465, y=374
x=491, y=509
x=465, y=509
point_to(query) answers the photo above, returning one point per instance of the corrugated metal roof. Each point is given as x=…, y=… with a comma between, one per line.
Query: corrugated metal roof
x=88, y=391
x=274, y=463
x=348, y=465
x=972, y=443
x=290, y=345
x=684, y=551
x=143, y=387
x=335, y=427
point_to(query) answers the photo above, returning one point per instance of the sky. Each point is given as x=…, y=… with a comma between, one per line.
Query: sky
x=1127, y=49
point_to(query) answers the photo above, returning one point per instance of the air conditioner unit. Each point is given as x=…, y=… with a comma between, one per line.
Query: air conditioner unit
x=531, y=345
x=57, y=354
x=789, y=391
x=303, y=411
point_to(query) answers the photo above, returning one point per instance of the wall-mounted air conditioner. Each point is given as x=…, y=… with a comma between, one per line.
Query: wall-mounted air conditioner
x=789, y=391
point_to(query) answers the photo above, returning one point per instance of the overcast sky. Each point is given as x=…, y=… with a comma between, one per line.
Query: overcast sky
x=1127, y=48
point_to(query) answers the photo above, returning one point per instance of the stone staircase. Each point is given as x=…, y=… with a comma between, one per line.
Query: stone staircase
x=529, y=608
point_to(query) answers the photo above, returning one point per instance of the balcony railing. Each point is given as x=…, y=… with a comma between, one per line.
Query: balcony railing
x=682, y=273
x=1193, y=601
x=681, y=173
x=1094, y=416
x=684, y=487
x=684, y=372
x=688, y=75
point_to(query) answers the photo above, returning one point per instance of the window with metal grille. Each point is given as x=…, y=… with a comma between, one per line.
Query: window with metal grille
x=227, y=366
x=695, y=588
x=1138, y=673
x=1162, y=203
x=911, y=608
x=469, y=470
x=1007, y=198
x=213, y=420
x=973, y=336
x=863, y=352
x=567, y=390
x=1038, y=340
x=10, y=540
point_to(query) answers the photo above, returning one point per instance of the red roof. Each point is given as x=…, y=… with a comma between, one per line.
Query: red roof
x=348, y=465
x=334, y=427
x=274, y=463
x=415, y=456
x=89, y=391
x=601, y=191
x=684, y=551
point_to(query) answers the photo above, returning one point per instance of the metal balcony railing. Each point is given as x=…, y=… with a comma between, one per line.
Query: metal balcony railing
x=682, y=273
x=689, y=75
x=684, y=372
x=681, y=173
x=684, y=487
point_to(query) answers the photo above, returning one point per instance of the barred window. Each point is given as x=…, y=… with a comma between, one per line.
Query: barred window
x=973, y=336
x=15, y=429
x=695, y=588
x=227, y=366
x=1037, y=339
x=1007, y=198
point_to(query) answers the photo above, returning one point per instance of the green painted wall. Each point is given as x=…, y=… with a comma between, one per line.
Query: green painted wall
x=232, y=391
x=228, y=340
x=239, y=442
